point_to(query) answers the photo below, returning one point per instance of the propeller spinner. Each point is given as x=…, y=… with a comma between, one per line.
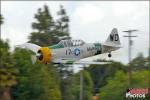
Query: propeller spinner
x=44, y=55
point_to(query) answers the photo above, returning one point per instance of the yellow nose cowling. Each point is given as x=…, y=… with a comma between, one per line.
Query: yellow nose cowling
x=46, y=52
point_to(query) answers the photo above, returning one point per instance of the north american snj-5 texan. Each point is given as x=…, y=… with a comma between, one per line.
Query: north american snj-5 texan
x=72, y=51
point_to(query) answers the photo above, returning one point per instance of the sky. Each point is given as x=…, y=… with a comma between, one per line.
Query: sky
x=91, y=21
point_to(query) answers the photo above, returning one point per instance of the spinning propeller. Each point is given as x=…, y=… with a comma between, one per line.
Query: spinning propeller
x=43, y=54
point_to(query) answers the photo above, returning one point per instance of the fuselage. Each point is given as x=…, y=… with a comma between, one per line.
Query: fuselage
x=78, y=52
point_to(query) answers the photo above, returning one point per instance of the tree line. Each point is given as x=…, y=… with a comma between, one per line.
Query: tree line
x=21, y=80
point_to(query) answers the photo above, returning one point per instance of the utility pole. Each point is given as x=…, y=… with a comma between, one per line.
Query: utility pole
x=129, y=54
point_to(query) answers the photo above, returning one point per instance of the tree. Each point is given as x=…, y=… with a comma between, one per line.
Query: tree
x=7, y=71
x=48, y=33
x=119, y=81
x=141, y=79
x=74, y=91
x=62, y=24
x=65, y=75
x=100, y=73
x=45, y=28
x=74, y=87
x=88, y=86
x=65, y=71
x=139, y=62
x=36, y=82
x=117, y=86
x=1, y=19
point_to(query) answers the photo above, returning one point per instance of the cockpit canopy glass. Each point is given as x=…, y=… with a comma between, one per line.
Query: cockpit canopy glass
x=71, y=43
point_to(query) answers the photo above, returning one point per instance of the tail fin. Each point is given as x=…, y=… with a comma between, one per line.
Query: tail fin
x=113, y=39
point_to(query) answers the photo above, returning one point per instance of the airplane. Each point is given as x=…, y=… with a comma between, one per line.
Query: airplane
x=72, y=51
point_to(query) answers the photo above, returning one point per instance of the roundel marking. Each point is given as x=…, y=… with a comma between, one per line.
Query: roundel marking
x=77, y=51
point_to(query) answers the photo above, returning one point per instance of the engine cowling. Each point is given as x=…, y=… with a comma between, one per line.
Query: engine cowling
x=45, y=55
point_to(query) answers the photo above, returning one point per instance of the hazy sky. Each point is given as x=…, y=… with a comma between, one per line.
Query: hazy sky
x=89, y=21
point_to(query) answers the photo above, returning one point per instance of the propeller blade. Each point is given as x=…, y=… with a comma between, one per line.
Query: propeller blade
x=33, y=59
x=30, y=46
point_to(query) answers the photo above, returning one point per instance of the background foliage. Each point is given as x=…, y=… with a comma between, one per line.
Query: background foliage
x=21, y=80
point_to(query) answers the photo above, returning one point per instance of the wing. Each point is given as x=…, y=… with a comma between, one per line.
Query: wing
x=91, y=63
x=70, y=61
x=63, y=61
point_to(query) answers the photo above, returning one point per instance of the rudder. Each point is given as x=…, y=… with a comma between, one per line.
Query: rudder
x=113, y=38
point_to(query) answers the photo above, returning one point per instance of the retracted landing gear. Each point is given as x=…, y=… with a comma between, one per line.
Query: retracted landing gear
x=109, y=55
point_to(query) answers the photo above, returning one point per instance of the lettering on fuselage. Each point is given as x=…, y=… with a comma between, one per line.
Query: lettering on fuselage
x=68, y=52
x=96, y=48
x=91, y=48
x=75, y=52
x=114, y=37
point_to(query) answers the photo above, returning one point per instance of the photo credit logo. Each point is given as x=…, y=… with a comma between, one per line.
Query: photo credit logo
x=137, y=93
